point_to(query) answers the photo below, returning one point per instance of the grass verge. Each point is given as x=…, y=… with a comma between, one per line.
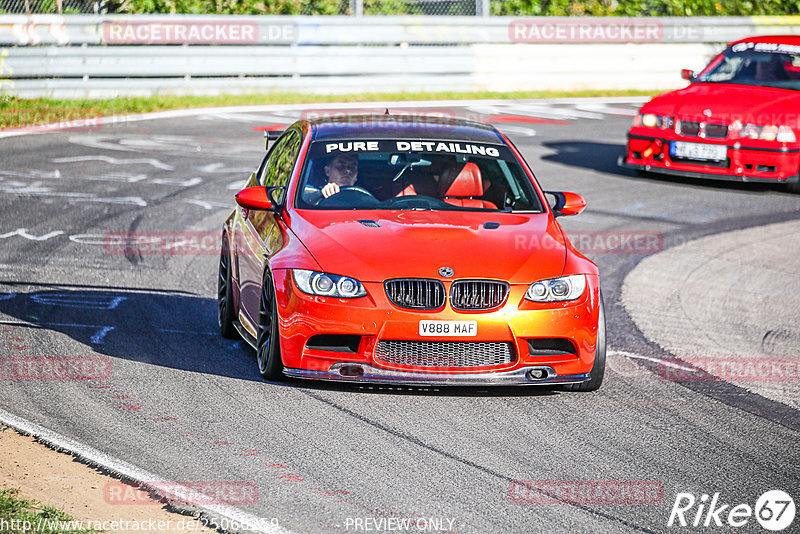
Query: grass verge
x=20, y=515
x=15, y=112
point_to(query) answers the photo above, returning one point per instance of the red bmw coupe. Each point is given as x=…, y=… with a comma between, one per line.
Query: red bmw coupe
x=397, y=249
x=739, y=119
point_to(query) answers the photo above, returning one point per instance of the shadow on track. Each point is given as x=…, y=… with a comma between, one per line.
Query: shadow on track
x=173, y=329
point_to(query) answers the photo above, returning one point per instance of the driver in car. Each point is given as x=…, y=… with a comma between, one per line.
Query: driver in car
x=342, y=171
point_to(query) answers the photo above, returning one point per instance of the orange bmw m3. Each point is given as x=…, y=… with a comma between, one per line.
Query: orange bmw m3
x=392, y=249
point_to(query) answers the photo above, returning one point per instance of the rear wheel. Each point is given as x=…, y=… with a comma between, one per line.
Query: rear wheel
x=599, y=367
x=268, y=351
x=225, y=312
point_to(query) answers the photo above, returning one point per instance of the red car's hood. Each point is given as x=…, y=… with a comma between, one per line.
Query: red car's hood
x=415, y=244
x=728, y=102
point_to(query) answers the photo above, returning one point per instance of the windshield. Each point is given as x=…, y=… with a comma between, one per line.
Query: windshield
x=766, y=64
x=414, y=175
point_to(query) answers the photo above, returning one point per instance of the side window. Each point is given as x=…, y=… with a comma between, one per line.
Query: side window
x=281, y=160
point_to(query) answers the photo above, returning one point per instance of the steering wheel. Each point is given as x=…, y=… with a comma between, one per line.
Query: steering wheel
x=356, y=188
x=347, y=195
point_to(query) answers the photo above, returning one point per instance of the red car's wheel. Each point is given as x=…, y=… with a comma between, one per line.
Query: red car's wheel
x=599, y=367
x=225, y=311
x=268, y=352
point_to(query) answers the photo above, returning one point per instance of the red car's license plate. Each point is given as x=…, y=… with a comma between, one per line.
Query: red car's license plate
x=448, y=328
x=698, y=151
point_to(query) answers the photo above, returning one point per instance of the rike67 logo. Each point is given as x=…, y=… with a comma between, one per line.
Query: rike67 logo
x=774, y=510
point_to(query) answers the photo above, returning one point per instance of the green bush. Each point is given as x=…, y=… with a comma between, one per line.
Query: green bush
x=560, y=8
x=645, y=8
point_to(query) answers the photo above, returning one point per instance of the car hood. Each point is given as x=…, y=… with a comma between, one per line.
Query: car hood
x=415, y=244
x=728, y=102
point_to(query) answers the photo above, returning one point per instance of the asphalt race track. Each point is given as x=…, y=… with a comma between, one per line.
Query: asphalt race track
x=180, y=402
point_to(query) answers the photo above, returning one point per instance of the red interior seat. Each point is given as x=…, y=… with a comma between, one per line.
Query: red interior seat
x=466, y=188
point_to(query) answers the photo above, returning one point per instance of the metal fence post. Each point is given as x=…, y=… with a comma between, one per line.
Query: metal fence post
x=482, y=8
x=357, y=7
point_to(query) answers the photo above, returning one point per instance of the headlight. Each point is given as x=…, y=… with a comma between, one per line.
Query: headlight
x=328, y=285
x=782, y=134
x=557, y=289
x=653, y=121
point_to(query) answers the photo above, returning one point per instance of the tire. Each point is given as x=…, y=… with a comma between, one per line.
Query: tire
x=225, y=311
x=599, y=367
x=793, y=187
x=268, y=350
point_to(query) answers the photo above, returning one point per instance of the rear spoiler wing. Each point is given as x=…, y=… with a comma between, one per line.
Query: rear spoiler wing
x=271, y=135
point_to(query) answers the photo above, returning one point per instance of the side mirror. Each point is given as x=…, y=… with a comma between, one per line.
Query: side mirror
x=255, y=198
x=567, y=203
x=687, y=74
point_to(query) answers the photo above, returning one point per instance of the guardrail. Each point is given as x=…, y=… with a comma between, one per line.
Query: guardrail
x=96, y=56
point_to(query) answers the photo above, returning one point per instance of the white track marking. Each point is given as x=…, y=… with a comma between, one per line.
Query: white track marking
x=99, y=337
x=116, y=161
x=32, y=173
x=23, y=232
x=131, y=472
x=660, y=361
x=208, y=205
x=80, y=300
x=123, y=178
x=172, y=181
x=607, y=110
x=35, y=189
x=221, y=169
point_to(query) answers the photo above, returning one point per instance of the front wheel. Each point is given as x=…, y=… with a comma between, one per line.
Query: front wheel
x=268, y=350
x=599, y=367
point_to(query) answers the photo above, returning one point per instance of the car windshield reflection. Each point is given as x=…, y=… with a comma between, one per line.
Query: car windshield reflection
x=764, y=64
x=391, y=175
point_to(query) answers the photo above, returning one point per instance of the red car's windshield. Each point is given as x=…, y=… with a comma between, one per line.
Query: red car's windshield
x=414, y=174
x=765, y=64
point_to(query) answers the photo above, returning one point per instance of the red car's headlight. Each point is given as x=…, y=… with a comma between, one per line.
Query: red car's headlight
x=557, y=289
x=327, y=285
x=781, y=134
x=653, y=121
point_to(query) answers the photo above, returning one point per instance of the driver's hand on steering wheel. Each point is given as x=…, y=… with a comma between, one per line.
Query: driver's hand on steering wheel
x=330, y=188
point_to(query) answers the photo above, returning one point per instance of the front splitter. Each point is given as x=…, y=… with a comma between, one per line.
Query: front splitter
x=369, y=374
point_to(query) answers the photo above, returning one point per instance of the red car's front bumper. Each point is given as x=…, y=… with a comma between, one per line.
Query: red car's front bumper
x=744, y=163
x=336, y=339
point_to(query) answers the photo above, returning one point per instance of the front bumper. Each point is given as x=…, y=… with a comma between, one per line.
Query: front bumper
x=349, y=372
x=369, y=321
x=742, y=164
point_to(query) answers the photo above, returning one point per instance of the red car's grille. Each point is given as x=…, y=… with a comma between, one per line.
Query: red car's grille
x=477, y=294
x=445, y=353
x=698, y=129
x=416, y=293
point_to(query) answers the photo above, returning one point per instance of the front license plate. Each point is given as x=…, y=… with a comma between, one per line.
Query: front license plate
x=448, y=328
x=698, y=151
